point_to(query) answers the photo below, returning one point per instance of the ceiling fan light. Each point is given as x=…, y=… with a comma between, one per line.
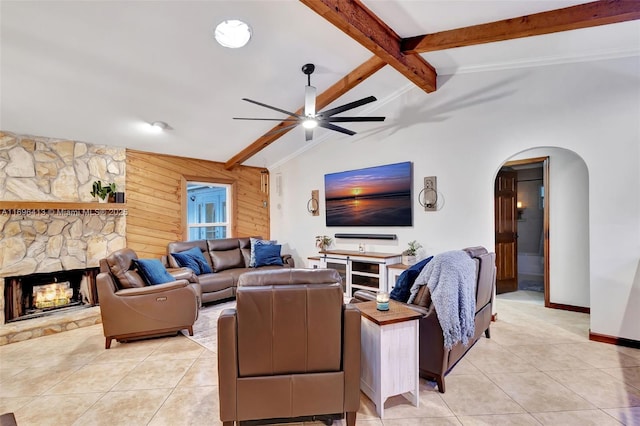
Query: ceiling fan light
x=232, y=33
x=310, y=123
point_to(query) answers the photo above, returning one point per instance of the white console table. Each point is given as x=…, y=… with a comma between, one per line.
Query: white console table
x=389, y=354
x=359, y=270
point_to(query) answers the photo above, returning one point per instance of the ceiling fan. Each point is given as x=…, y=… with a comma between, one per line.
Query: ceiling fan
x=311, y=119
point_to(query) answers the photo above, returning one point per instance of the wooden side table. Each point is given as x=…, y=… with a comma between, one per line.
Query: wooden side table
x=394, y=271
x=389, y=360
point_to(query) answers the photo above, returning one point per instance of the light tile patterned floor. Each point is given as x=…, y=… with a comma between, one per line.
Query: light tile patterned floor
x=538, y=368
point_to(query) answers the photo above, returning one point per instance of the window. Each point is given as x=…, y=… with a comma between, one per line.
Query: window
x=208, y=210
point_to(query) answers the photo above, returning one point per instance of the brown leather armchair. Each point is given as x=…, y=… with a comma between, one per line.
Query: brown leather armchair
x=130, y=309
x=290, y=348
x=434, y=359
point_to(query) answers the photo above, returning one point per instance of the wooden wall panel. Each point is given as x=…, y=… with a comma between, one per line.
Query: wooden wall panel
x=154, y=192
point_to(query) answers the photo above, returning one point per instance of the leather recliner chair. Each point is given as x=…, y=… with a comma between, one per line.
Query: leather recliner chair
x=130, y=309
x=290, y=348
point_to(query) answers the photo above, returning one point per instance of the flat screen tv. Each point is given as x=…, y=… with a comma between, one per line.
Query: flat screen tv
x=375, y=196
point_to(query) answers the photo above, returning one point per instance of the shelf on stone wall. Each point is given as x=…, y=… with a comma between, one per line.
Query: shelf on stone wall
x=44, y=207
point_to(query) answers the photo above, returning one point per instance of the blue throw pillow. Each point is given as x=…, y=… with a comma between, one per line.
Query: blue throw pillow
x=268, y=254
x=194, y=260
x=153, y=271
x=255, y=242
x=402, y=290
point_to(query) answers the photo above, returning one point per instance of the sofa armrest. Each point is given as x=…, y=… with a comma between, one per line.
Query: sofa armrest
x=287, y=260
x=227, y=364
x=363, y=296
x=152, y=289
x=183, y=274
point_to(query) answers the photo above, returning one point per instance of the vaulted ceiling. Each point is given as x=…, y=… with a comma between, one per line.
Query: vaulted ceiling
x=100, y=71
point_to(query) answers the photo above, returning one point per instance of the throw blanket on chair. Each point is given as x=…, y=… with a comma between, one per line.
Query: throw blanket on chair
x=450, y=277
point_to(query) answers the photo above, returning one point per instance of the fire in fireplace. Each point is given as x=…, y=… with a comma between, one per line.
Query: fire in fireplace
x=36, y=295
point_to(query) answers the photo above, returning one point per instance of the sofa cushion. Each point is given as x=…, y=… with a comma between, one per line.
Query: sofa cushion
x=180, y=246
x=226, y=259
x=268, y=254
x=423, y=298
x=194, y=260
x=122, y=265
x=257, y=242
x=153, y=271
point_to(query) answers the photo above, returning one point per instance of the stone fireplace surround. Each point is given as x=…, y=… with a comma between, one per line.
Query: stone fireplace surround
x=67, y=229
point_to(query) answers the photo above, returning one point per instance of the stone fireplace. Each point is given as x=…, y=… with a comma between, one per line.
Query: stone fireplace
x=52, y=231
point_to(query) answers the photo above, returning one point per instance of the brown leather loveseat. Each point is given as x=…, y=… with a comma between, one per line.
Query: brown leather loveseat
x=290, y=348
x=228, y=258
x=434, y=359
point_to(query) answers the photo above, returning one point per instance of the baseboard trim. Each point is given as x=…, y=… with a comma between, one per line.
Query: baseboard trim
x=571, y=308
x=614, y=340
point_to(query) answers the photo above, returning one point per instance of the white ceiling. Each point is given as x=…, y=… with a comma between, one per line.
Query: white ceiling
x=97, y=71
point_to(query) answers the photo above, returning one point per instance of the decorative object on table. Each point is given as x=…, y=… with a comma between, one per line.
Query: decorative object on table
x=119, y=197
x=361, y=247
x=323, y=242
x=101, y=191
x=409, y=255
x=382, y=301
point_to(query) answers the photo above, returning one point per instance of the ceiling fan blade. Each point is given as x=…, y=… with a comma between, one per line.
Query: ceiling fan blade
x=336, y=128
x=350, y=105
x=272, y=107
x=351, y=119
x=281, y=129
x=309, y=101
x=308, y=134
x=266, y=119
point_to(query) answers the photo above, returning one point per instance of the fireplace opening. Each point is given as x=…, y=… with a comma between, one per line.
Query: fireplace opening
x=36, y=295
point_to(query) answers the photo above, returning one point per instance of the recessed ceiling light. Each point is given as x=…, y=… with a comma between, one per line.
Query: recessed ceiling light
x=232, y=33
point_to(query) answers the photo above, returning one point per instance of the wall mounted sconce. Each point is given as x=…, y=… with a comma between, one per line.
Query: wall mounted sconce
x=428, y=197
x=313, y=205
x=520, y=209
x=264, y=181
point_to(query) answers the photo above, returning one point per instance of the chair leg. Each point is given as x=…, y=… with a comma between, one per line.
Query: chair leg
x=440, y=382
x=190, y=330
x=487, y=333
x=107, y=343
x=351, y=418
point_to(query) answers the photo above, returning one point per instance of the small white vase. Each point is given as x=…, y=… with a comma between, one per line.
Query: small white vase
x=408, y=260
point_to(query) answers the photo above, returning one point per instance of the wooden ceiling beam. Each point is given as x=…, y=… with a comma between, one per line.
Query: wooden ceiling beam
x=362, y=25
x=585, y=15
x=348, y=82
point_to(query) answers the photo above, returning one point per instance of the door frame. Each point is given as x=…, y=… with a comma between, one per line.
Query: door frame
x=545, y=213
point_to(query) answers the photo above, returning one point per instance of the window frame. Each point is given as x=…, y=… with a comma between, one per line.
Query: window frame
x=231, y=203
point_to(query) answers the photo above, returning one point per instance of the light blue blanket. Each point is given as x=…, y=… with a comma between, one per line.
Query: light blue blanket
x=451, y=277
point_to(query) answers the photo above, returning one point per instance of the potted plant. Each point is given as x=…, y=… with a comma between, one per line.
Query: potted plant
x=409, y=255
x=323, y=242
x=101, y=191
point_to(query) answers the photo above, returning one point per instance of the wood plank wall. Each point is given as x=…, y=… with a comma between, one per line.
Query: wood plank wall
x=155, y=186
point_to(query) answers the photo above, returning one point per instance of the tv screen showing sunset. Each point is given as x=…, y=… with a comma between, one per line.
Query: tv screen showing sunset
x=375, y=196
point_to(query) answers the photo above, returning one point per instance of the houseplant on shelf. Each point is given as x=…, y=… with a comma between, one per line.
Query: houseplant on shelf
x=323, y=242
x=101, y=191
x=409, y=255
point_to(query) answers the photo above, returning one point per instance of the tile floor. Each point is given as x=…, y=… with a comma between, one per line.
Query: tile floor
x=538, y=368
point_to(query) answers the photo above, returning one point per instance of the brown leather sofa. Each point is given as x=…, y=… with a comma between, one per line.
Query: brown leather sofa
x=131, y=310
x=290, y=348
x=228, y=259
x=435, y=359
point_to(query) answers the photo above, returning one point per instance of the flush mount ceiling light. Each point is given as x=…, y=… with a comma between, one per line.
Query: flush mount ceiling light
x=159, y=126
x=232, y=33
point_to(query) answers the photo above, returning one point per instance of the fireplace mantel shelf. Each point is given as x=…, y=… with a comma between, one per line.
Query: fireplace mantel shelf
x=38, y=206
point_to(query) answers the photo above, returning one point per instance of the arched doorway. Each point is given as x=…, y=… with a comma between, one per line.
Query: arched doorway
x=545, y=209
